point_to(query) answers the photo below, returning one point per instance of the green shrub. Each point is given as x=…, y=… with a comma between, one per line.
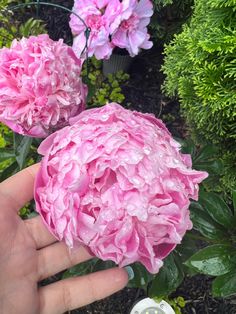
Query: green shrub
x=103, y=89
x=11, y=28
x=5, y=146
x=168, y=18
x=200, y=68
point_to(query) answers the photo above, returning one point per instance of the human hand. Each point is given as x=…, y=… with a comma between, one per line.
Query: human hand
x=29, y=253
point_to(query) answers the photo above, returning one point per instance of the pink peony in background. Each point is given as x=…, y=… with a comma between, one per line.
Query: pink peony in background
x=113, y=23
x=116, y=182
x=40, y=85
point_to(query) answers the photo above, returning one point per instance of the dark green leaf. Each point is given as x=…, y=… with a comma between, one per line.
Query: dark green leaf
x=214, y=260
x=212, y=167
x=234, y=201
x=168, y=279
x=206, y=160
x=32, y=215
x=22, y=147
x=187, y=146
x=9, y=171
x=225, y=286
x=187, y=247
x=216, y=207
x=203, y=223
x=101, y=265
x=207, y=152
x=6, y=154
x=141, y=276
x=91, y=93
x=80, y=269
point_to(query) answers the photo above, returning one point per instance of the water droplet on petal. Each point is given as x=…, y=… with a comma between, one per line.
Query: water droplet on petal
x=136, y=181
x=133, y=122
x=104, y=117
x=147, y=150
x=175, y=161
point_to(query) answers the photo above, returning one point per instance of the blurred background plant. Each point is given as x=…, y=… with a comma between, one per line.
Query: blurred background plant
x=103, y=89
x=11, y=28
x=168, y=18
x=200, y=69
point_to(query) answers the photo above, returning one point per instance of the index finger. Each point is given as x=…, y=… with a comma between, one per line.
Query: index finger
x=18, y=189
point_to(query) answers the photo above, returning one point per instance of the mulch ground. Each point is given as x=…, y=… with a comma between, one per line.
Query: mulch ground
x=143, y=93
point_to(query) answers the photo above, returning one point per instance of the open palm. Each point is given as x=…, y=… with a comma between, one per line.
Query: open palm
x=29, y=253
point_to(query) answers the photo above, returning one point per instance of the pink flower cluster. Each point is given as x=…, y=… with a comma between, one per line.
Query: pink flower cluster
x=113, y=23
x=116, y=182
x=40, y=86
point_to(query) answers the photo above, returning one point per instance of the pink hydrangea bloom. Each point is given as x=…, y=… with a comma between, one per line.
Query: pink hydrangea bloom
x=116, y=182
x=132, y=33
x=40, y=85
x=99, y=16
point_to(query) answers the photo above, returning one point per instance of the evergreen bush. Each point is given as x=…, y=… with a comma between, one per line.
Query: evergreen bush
x=168, y=18
x=200, y=68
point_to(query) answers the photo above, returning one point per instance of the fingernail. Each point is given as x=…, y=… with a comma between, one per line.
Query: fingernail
x=130, y=272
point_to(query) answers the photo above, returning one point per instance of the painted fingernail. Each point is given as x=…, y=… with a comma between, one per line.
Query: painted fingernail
x=130, y=272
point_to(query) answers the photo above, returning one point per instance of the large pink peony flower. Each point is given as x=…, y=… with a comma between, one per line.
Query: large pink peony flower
x=40, y=86
x=99, y=16
x=132, y=33
x=116, y=182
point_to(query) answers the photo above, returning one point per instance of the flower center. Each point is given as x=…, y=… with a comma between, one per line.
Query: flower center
x=131, y=23
x=95, y=22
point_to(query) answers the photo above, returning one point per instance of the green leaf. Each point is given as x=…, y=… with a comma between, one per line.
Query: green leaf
x=9, y=171
x=168, y=279
x=214, y=260
x=225, y=286
x=212, y=167
x=207, y=152
x=141, y=276
x=187, y=146
x=187, y=247
x=203, y=223
x=102, y=265
x=22, y=147
x=80, y=269
x=6, y=154
x=234, y=201
x=205, y=160
x=32, y=215
x=217, y=208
